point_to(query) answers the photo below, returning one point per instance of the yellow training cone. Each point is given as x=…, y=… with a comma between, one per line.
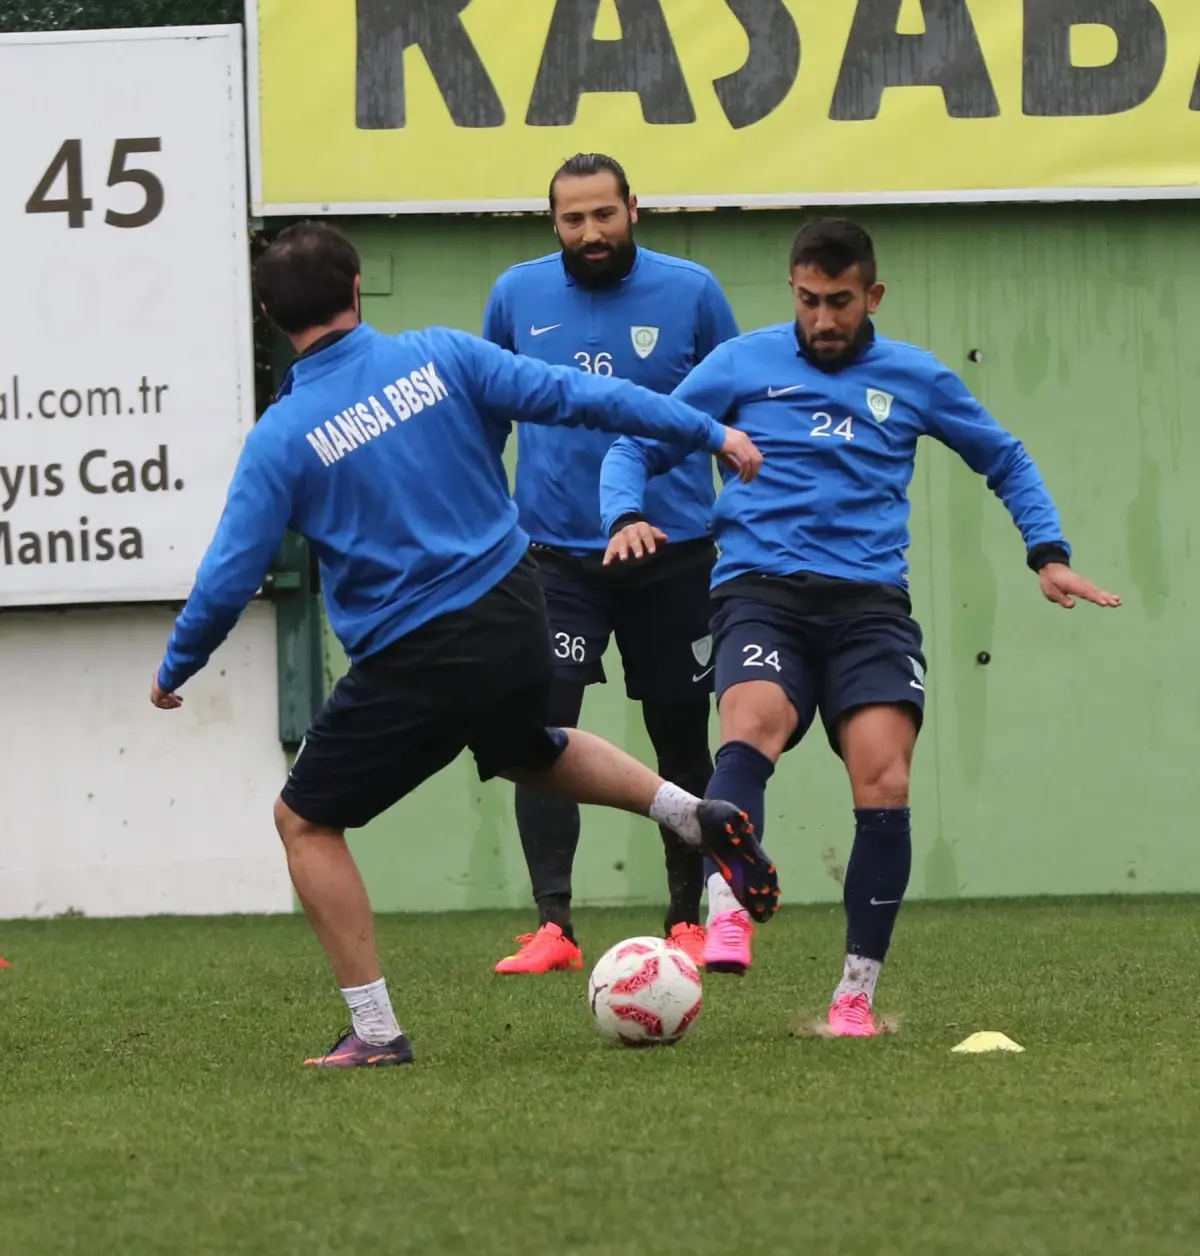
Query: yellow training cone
x=987, y=1041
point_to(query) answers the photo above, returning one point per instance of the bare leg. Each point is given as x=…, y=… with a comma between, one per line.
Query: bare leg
x=592, y=770
x=332, y=893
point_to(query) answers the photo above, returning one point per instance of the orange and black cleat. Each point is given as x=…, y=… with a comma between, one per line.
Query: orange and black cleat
x=727, y=838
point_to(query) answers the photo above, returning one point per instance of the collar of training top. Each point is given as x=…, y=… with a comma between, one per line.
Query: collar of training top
x=862, y=342
x=572, y=282
x=323, y=342
x=323, y=355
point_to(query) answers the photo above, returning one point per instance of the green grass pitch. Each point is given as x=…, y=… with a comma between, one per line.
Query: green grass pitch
x=152, y=1099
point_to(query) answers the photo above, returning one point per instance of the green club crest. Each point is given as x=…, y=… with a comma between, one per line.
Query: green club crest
x=644, y=339
x=879, y=403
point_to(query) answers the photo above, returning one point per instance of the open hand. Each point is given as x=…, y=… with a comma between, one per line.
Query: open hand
x=634, y=540
x=1062, y=585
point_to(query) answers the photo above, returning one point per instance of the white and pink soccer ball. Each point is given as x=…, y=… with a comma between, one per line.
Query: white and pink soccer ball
x=644, y=993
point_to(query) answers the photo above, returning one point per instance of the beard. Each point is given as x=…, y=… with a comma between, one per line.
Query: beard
x=832, y=355
x=601, y=271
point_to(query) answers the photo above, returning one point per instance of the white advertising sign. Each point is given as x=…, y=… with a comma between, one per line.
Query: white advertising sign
x=126, y=363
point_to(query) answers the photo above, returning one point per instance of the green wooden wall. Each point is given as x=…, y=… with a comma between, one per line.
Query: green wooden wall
x=1063, y=765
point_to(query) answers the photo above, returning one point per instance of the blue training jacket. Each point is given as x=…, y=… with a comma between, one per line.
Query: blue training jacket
x=385, y=453
x=665, y=316
x=839, y=450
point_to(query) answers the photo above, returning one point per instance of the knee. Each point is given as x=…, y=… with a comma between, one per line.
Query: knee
x=765, y=725
x=283, y=818
x=293, y=829
x=883, y=783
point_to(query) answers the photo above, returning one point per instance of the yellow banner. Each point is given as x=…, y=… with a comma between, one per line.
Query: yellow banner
x=411, y=105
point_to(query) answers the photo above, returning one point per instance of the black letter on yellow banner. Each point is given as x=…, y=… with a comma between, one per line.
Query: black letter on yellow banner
x=762, y=84
x=1054, y=88
x=1196, y=92
x=643, y=60
x=946, y=56
x=385, y=29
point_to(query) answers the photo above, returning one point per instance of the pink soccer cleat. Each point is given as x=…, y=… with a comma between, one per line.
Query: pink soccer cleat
x=727, y=943
x=851, y=1017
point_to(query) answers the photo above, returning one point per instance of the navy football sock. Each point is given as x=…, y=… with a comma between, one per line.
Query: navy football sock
x=876, y=879
x=740, y=777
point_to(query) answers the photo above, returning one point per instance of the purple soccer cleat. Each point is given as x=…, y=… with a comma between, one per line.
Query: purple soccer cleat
x=351, y=1052
x=727, y=838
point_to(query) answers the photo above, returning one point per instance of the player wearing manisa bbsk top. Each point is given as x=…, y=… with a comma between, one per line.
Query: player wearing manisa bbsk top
x=604, y=305
x=385, y=452
x=811, y=605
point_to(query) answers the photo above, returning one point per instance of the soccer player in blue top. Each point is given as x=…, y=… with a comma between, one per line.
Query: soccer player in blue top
x=605, y=306
x=386, y=454
x=811, y=601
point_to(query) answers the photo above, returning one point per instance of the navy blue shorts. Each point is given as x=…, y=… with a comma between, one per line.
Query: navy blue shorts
x=478, y=678
x=660, y=622
x=827, y=664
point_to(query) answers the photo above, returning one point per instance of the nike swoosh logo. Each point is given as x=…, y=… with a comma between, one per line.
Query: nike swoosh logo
x=704, y=673
x=541, y=331
x=782, y=392
x=913, y=685
x=884, y=902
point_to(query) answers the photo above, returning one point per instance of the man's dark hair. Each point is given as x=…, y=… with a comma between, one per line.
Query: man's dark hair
x=833, y=245
x=584, y=164
x=306, y=277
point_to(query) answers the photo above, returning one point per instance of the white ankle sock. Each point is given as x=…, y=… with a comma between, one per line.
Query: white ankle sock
x=720, y=897
x=676, y=808
x=371, y=1012
x=859, y=977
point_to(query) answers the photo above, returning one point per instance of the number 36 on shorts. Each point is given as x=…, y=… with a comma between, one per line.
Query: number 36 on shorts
x=569, y=648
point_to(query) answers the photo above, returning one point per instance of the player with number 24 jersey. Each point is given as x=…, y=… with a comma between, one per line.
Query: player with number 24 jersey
x=810, y=593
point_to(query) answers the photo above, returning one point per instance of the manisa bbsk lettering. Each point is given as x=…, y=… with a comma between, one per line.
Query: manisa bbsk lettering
x=362, y=422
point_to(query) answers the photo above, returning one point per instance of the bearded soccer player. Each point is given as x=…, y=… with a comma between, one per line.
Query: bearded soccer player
x=811, y=602
x=608, y=307
x=385, y=452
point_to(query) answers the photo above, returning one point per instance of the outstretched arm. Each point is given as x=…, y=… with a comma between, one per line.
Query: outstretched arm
x=257, y=509
x=630, y=463
x=960, y=422
x=512, y=388
x=627, y=468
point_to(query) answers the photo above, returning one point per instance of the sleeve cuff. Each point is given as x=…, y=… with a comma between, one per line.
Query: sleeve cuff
x=1048, y=552
x=623, y=521
x=716, y=440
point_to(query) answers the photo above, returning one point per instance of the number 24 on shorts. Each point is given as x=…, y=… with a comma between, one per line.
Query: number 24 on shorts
x=753, y=657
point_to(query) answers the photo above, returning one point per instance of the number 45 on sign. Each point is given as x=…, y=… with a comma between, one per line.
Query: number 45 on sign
x=67, y=164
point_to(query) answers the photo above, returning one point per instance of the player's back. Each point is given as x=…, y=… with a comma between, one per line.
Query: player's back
x=400, y=484
x=651, y=328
